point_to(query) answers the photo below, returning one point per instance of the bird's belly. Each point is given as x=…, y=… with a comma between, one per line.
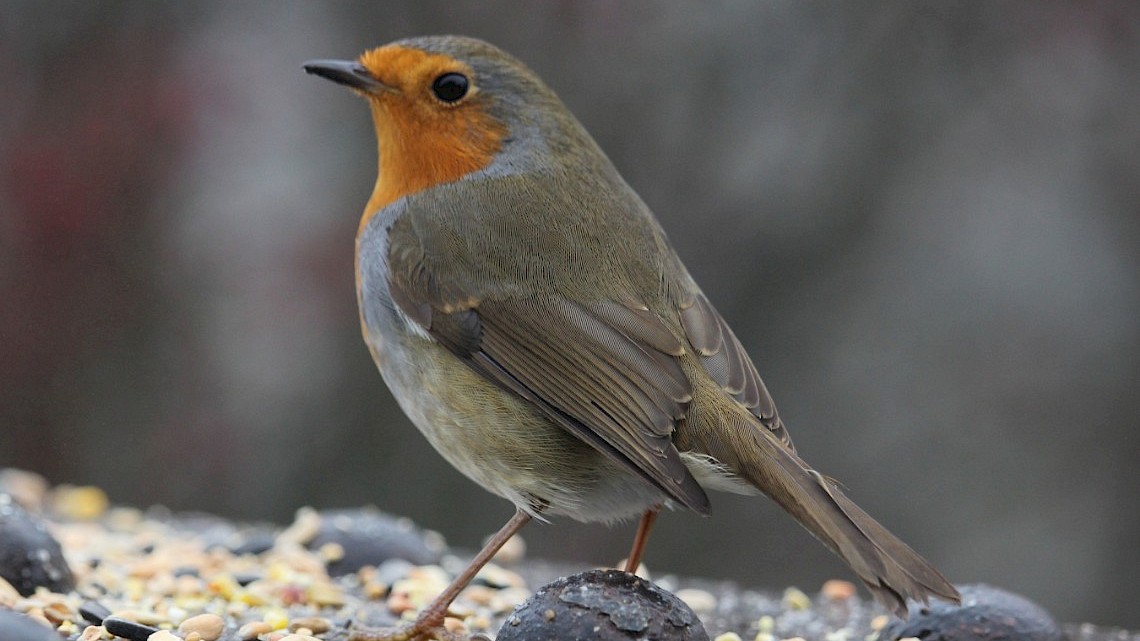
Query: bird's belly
x=494, y=437
x=502, y=442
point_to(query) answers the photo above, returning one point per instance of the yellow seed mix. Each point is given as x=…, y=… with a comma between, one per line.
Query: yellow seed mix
x=315, y=625
x=225, y=586
x=454, y=626
x=842, y=634
x=701, y=601
x=83, y=503
x=208, y=626
x=277, y=619
x=331, y=552
x=93, y=633
x=323, y=593
x=254, y=629
x=795, y=599
x=837, y=590
x=479, y=622
x=8, y=594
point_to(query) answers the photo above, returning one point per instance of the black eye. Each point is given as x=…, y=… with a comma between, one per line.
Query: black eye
x=450, y=87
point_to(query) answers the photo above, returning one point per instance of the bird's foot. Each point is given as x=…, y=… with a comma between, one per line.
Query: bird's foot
x=424, y=628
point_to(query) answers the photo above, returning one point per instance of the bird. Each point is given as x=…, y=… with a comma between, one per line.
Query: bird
x=530, y=316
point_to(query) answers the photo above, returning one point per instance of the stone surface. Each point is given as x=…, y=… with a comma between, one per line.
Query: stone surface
x=986, y=614
x=154, y=569
x=603, y=605
x=29, y=555
x=128, y=629
x=370, y=537
x=18, y=627
x=94, y=612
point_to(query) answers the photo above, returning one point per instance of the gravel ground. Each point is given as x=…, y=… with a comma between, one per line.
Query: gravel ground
x=151, y=575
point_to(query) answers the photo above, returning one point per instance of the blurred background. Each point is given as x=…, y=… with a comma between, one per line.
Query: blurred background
x=921, y=218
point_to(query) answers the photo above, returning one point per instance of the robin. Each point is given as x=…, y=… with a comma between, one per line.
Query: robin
x=531, y=318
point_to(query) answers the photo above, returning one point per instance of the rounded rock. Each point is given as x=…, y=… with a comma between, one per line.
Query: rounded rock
x=986, y=614
x=27, y=488
x=316, y=625
x=19, y=626
x=128, y=629
x=370, y=537
x=208, y=626
x=253, y=629
x=94, y=612
x=607, y=605
x=30, y=557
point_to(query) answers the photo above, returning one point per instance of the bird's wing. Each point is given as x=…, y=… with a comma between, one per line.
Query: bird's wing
x=606, y=371
x=724, y=358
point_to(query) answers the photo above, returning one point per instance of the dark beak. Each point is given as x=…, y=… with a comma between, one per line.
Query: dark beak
x=349, y=73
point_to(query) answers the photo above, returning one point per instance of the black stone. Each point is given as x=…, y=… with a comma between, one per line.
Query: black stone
x=370, y=537
x=255, y=542
x=218, y=533
x=94, y=612
x=128, y=629
x=986, y=614
x=245, y=578
x=186, y=570
x=605, y=605
x=14, y=625
x=29, y=556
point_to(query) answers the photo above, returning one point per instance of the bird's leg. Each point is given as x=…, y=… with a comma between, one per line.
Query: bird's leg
x=429, y=622
x=640, y=538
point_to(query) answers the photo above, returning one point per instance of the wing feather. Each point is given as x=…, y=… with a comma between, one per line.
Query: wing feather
x=726, y=362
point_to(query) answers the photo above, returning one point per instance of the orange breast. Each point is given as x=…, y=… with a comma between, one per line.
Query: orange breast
x=422, y=142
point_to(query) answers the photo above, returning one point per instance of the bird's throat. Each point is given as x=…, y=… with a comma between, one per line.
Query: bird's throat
x=417, y=153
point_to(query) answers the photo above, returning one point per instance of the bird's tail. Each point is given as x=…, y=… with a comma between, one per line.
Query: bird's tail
x=890, y=569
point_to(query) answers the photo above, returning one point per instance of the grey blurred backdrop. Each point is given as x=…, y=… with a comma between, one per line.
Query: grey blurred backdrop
x=921, y=218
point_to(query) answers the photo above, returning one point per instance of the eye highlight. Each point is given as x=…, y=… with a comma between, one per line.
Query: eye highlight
x=450, y=87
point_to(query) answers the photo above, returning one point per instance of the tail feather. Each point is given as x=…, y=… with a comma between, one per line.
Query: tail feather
x=889, y=568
